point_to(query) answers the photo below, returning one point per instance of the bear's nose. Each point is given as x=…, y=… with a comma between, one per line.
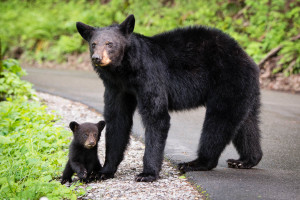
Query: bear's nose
x=96, y=58
x=91, y=144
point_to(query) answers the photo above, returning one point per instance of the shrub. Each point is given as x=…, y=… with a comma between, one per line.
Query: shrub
x=11, y=84
x=32, y=148
x=46, y=29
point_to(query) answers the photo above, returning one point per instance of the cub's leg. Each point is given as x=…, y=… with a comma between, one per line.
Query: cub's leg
x=96, y=170
x=80, y=170
x=67, y=174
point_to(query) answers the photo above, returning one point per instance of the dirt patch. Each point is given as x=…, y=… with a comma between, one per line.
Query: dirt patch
x=73, y=62
x=277, y=81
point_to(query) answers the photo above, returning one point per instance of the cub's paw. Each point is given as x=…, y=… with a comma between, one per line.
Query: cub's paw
x=82, y=175
x=63, y=181
x=193, y=166
x=238, y=164
x=105, y=176
x=95, y=176
x=145, y=177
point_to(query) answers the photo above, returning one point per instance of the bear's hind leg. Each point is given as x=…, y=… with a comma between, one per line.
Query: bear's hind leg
x=247, y=143
x=219, y=126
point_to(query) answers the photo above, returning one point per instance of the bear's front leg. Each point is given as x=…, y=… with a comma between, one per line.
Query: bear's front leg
x=67, y=174
x=95, y=168
x=80, y=170
x=118, y=113
x=156, y=120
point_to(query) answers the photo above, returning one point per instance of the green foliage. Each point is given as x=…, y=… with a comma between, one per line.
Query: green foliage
x=11, y=84
x=290, y=58
x=32, y=149
x=46, y=29
x=31, y=152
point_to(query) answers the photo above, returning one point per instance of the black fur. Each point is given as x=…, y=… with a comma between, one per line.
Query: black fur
x=177, y=70
x=83, y=157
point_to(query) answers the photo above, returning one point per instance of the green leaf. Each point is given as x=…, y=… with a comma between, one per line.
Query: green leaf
x=5, y=140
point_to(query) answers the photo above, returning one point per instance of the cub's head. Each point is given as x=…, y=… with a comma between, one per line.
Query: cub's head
x=107, y=45
x=87, y=134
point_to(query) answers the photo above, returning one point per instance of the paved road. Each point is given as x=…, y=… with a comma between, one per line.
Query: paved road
x=276, y=177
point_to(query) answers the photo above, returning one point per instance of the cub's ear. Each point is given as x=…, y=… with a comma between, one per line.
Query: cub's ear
x=73, y=126
x=100, y=125
x=85, y=31
x=127, y=25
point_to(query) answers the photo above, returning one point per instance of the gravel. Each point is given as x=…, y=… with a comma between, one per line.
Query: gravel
x=171, y=185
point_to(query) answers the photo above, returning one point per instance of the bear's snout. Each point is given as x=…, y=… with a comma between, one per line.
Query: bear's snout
x=101, y=59
x=90, y=142
x=96, y=59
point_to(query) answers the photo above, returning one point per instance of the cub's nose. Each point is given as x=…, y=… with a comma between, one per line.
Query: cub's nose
x=91, y=144
x=96, y=58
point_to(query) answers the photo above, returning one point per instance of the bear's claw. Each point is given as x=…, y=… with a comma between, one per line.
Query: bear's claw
x=106, y=176
x=238, y=164
x=145, y=177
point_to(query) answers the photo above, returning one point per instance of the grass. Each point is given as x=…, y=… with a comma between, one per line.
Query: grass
x=45, y=30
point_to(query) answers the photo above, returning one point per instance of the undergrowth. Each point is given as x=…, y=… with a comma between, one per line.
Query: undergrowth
x=32, y=148
x=45, y=30
x=11, y=84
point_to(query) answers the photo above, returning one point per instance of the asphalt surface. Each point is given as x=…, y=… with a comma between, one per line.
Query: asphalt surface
x=276, y=177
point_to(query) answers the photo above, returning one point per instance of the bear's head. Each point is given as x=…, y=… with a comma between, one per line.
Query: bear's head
x=87, y=134
x=108, y=44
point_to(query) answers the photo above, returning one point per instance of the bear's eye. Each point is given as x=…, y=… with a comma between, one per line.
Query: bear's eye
x=93, y=45
x=109, y=44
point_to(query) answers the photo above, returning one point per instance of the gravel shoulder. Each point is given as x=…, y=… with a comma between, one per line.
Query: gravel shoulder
x=170, y=185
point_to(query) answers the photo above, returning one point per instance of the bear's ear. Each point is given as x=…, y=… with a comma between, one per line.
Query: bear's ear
x=85, y=31
x=100, y=125
x=73, y=126
x=127, y=25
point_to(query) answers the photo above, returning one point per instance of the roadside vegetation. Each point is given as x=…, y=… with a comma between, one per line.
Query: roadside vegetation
x=45, y=30
x=32, y=149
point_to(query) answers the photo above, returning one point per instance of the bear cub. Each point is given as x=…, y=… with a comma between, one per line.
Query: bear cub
x=83, y=157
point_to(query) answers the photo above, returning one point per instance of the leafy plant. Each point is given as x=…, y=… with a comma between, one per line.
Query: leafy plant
x=11, y=84
x=32, y=149
x=46, y=29
x=32, y=152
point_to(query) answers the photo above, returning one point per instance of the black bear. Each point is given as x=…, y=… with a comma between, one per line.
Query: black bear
x=83, y=157
x=177, y=70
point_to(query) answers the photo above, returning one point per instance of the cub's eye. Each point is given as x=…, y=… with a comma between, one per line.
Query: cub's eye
x=109, y=44
x=93, y=45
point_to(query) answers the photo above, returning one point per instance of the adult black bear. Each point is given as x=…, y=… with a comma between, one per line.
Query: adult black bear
x=83, y=155
x=177, y=70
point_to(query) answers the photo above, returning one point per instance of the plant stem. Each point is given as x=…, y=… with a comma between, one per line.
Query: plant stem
x=1, y=67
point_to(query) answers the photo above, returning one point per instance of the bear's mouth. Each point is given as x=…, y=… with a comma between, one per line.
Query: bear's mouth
x=104, y=61
x=101, y=64
x=89, y=146
x=97, y=64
